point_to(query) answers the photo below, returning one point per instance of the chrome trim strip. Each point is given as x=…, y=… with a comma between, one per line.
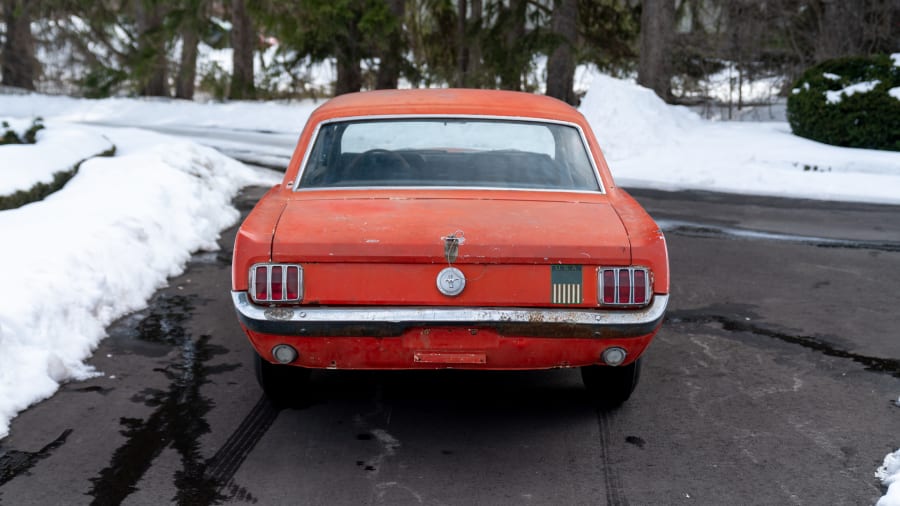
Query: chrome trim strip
x=393, y=321
x=315, y=136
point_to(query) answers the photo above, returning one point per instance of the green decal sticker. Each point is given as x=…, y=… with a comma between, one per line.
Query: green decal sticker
x=566, y=284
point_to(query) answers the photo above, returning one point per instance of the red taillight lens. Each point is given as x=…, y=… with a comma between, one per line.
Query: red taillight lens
x=293, y=283
x=276, y=283
x=261, y=283
x=640, y=286
x=624, y=286
x=609, y=286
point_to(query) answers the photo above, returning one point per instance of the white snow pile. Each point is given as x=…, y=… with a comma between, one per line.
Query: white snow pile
x=156, y=112
x=629, y=120
x=889, y=474
x=650, y=144
x=98, y=249
x=58, y=149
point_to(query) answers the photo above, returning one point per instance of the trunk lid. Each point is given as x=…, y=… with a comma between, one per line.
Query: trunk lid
x=406, y=230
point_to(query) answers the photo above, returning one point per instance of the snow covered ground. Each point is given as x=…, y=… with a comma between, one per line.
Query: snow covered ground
x=648, y=143
x=58, y=149
x=165, y=198
x=73, y=262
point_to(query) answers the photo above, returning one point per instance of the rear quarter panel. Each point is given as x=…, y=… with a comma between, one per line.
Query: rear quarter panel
x=253, y=243
x=648, y=244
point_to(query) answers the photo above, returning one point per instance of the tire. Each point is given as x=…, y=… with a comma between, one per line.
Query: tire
x=608, y=386
x=284, y=385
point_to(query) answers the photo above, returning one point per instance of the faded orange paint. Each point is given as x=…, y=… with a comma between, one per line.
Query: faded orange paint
x=383, y=247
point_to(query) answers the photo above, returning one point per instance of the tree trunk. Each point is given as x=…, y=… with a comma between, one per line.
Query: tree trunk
x=474, y=44
x=462, y=52
x=389, y=69
x=511, y=72
x=837, y=24
x=243, y=42
x=152, y=72
x=349, y=74
x=187, y=70
x=18, y=64
x=657, y=34
x=561, y=63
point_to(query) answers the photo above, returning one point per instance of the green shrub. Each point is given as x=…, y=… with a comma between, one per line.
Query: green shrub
x=41, y=190
x=861, y=120
x=10, y=136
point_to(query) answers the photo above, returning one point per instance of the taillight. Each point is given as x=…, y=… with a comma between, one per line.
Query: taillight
x=276, y=283
x=260, y=282
x=293, y=283
x=624, y=286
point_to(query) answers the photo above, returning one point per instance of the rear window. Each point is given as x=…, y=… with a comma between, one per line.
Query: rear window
x=453, y=152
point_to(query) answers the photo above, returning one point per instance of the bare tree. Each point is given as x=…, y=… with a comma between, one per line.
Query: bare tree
x=243, y=41
x=657, y=33
x=18, y=65
x=561, y=63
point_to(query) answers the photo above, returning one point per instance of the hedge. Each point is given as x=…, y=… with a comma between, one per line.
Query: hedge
x=865, y=119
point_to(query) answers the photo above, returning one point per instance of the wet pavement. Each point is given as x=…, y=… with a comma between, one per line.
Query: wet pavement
x=773, y=381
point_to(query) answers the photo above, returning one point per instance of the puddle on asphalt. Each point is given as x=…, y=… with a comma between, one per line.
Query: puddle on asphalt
x=14, y=462
x=178, y=418
x=875, y=364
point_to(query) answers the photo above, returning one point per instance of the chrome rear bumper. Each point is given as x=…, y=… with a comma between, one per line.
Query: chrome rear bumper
x=393, y=321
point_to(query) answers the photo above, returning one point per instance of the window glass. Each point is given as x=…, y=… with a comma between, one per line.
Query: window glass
x=453, y=152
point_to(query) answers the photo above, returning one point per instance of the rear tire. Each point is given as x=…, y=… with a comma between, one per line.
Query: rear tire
x=609, y=386
x=284, y=385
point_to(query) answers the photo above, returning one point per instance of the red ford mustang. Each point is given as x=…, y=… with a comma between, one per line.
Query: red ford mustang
x=470, y=229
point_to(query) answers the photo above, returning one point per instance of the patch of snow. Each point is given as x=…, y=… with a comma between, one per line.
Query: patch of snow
x=829, y=75
x=129, y=223
x=896, y=59
x=730, y=86
x=889, y=474
x=895, y=92
x=835, y=97
x=18, y=125
x=152, y=112
x=650, y=144
x=630, y=121
x=58, y=149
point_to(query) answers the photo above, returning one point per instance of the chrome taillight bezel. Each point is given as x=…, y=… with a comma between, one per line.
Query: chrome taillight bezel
x=630, y=302
x=285, y=270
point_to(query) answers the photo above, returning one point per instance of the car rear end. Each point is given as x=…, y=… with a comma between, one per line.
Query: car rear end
x=427, y=242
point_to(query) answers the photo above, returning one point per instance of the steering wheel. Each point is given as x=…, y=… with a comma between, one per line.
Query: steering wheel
x=373, y=154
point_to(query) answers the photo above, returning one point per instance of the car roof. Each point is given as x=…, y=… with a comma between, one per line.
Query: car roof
x=446, y=101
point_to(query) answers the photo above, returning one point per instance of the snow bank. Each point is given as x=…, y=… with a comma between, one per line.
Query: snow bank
x=98, y=249
x=651, y=144
x=236, y=115
x=58, y=149
x=889, y=474
x=629, y=120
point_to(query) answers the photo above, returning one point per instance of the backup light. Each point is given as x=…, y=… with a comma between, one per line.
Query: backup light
x=276, y=283
x=614, y=356
x=624, y=286
x=284, y=354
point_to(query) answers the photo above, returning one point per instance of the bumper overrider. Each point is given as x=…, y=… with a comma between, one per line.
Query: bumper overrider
x=377, y=321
